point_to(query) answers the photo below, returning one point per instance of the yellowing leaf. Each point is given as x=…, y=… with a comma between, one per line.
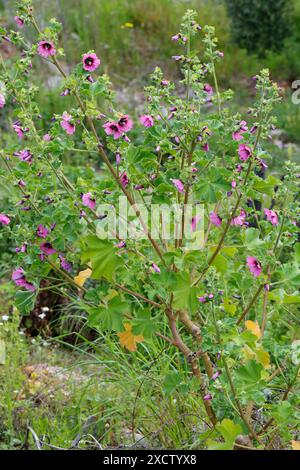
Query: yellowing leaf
x=249, y=353
x=128, y=339
x=112, y=293
x=295, y=445
x=82, y=277
x=254, y=328
x=259, y=355
x=263, y=357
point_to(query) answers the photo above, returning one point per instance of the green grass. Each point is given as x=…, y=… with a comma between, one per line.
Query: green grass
x=91, y=24
x=127, y=395
x=133, y=36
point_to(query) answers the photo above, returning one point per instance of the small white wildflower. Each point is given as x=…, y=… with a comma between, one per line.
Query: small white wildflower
x=42, y=316
x=5, y=317
x=45, y=309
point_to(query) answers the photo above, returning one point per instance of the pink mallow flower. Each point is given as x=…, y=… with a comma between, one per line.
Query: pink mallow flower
x=4, y=219
x=121, y=244
x=215, y=219
x=155, y=267
x=245, y=152
x=25, y=156
x=207, y=397
x=216, y=375
x=125, y=123
x=46, y=49
x=254, y=266
x=208, y=89
x=88, y=200
x=112, y=128
x=42, y=231
x=90, y=62
x=124, y=180
x=19, y=21
x=65, y=264
x=47, y=248
x=118, y=158
x=2, y=101
x=271, y=216
x=179, y=185
x=18, y=129
x=147, y=120
x=21, y=249
x=238, y=135
x=18, y=276
x=240, y=219
x=66, y=123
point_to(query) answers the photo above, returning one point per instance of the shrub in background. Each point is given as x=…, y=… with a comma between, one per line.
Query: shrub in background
x=260, y=25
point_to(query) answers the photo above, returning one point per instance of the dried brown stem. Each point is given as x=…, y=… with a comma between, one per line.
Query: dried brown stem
x=194, y=365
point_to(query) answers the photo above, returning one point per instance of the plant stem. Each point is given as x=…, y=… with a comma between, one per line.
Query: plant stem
x=231, y=384
x=194, y=364
x=215, y=81
x=139, y=296
x=250, y=305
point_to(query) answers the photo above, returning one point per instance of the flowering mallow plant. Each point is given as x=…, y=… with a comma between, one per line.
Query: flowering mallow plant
x=223, y=302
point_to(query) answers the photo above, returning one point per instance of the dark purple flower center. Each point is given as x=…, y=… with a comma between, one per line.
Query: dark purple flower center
x=89, y=61
x=114, y=127
x=47, y=46
x=122, y=121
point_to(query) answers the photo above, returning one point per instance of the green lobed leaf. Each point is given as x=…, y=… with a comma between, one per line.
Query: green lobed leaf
x=24, y=301
x=229, y=431
x=103, y=256
x=110, y=317
x=144, y=324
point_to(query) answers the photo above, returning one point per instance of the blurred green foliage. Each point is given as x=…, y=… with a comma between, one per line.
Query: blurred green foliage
x=260, y=25
x=133, y=36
